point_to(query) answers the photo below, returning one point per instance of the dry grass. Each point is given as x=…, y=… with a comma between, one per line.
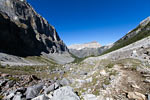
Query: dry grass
x=40, y=71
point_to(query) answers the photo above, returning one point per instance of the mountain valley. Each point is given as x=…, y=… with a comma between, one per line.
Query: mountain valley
x=35, y=64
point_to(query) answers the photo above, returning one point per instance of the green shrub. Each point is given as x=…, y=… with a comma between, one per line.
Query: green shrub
x=13, y=78
x=110, y=65
x=1, y=97
x=78, y=60
x=106, y=81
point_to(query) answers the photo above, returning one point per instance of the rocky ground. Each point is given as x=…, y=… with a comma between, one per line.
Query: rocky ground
x=23, y=86
x=111, y=80
x=126, y=79
x=121, y=75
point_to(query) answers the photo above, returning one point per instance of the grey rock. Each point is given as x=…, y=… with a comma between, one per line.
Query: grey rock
x=90, y=97
x=41, y=97
x=21, y=90
x=148, y=96
x=62, y=73
x=55, y=78
x=10, y=96
x=83, y=73
x=52, y=87
x=65, y=93
x=57, y=85
x=49, y=89
x=105, y=86
x=136, y=96
x=64, y=82
x=17, y=96
x=146, y=52
x=34, y=91
x=10, y=83
x=23, y=99
x=3, y=82
x=147, y=80
x=112, y=77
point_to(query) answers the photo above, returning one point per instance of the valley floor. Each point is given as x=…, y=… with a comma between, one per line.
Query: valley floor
x=121, y=75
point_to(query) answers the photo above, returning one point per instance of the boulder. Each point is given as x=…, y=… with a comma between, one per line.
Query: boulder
x=10, y=96
x=41, y=97
x=10, y=83
x=34, y=91
x=103, y=72
x=21, y=90
x=57, y=85
x=65, y=93
x=17, y=96
x=134, y=53
x=90, y=97
x=49, y=89
x=3, y=82
x=136, y=96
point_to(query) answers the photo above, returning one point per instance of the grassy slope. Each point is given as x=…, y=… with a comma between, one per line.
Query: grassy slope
x=41, y=71
x=122, y=43
x=78, y=60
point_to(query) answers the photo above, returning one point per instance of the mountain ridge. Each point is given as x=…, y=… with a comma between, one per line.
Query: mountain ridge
x=26, y=33
x=93, y=44
x=88, y=49
x=39, y=34
x=140, y=32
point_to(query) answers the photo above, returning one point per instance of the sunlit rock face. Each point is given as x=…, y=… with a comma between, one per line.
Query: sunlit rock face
x=23, y=32
x=87, y=49
x=145, y=21
x=93, y=44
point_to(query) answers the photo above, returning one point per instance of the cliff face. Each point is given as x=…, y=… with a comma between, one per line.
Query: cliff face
x=23, y=32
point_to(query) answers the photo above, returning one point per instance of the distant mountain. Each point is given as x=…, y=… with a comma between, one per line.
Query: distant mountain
x=87, y=49
x=140, y=32
x=94, y=48
x=93, y=44
x=23, y=32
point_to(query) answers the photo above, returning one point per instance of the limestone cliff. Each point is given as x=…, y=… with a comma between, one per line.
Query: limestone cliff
x=23, y=32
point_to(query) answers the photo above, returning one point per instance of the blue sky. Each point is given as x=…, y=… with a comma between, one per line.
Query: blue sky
x=82, y=21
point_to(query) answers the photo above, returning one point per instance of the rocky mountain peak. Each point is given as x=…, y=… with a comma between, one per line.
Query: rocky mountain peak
x=145, y=21
x=92, y=44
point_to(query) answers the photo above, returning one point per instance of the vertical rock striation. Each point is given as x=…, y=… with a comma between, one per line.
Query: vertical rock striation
x=23, y=32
